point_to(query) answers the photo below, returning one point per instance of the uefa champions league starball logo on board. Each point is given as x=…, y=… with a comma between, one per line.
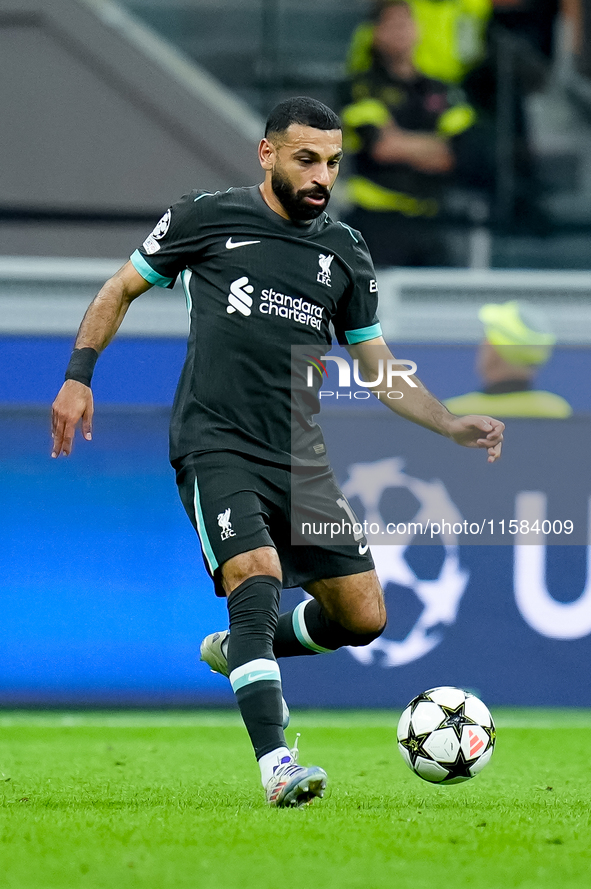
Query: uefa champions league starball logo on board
x=439, y=597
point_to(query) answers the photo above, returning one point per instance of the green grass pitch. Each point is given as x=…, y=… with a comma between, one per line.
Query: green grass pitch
x=163, y=800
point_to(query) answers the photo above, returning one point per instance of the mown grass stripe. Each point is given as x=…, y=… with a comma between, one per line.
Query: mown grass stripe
x=504, y=718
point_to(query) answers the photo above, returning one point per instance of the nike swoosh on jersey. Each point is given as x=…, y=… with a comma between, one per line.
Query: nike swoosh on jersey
x=363, y=549
x=231, y=245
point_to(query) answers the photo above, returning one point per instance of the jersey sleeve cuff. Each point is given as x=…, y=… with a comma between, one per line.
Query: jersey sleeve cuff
x=363, y=334
x=146, y=271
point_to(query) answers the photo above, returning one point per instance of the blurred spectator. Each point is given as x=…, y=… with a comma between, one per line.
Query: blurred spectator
x=451, y=38
x=465, y=42
x=405, y=134
x=517, y=344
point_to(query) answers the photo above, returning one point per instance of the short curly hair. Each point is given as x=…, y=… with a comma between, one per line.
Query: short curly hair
x=301, y=110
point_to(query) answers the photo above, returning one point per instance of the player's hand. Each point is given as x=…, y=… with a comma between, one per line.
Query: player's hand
x=478, y=432
x=73, y=403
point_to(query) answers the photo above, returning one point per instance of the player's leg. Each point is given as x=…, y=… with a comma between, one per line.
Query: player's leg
x=338, y=571
x=221, y=494
x=253, y=586
x=252, y=583
x=346, y=610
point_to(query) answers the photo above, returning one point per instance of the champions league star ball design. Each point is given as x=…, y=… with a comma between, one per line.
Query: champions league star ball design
x=446, y=735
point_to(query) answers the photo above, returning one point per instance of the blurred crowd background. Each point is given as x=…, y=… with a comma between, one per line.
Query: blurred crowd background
x=467, y=125
x=510, y=187
x=523, y=65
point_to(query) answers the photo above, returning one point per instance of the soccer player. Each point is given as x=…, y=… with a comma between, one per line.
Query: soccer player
x=264, y=268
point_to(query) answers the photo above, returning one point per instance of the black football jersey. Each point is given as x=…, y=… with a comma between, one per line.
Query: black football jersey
x=257, y=285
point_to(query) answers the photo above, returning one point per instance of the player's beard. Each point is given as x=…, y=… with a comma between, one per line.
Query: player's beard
x=293, y=201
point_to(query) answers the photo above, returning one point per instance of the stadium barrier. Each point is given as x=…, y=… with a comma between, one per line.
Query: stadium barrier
x=48, y=296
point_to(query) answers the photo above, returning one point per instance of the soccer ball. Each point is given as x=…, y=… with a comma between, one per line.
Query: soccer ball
x=446, y=735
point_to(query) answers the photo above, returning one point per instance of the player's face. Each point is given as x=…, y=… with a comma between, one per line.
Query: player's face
x=304, y=165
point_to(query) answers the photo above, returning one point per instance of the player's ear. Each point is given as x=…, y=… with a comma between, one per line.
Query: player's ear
x=266, y=154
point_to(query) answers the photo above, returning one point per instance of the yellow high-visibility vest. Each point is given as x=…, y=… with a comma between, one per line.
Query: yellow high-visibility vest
x=452, y=38
x=374, y=196
x=529, y=403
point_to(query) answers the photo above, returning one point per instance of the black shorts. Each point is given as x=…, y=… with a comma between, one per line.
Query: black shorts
x=237, y=503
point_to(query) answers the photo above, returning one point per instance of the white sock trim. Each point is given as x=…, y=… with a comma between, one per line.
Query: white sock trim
x=254, y=671
x=268, y=762
x=301, y=630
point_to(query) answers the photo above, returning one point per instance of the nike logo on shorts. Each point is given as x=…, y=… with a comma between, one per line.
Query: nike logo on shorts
x=231, y=245
x=363, y=549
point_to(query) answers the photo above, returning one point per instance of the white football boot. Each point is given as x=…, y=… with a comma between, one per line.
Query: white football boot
x=214, y=655
x=292, y=785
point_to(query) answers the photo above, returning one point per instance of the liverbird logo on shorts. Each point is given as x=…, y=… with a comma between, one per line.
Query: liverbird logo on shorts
x=323, y=276
x=225, y=524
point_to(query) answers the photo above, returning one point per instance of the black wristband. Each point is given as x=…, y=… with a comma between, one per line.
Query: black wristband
x=81, y=366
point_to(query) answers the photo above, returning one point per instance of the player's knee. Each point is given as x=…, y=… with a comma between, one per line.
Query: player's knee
x=240, y=569
x=360, y=639
x=256, y=599
x=253, y=609
x=366, y=623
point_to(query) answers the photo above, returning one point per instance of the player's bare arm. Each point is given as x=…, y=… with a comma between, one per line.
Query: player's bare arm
x=101, y=322
x=421, y=407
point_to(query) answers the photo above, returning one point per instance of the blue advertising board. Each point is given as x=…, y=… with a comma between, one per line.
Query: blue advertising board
x=139, y=371
x=104, y=596
x=510, y=619
x=105, y=600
